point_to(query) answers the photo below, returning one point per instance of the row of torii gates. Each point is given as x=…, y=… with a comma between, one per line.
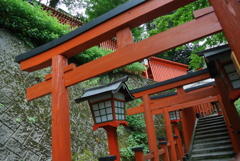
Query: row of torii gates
x=224, y=15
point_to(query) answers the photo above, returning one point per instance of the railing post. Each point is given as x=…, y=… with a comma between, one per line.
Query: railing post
x=108, y=158
x=138, y=153
x=177, y=147
x=163, y=145
x=176, y=130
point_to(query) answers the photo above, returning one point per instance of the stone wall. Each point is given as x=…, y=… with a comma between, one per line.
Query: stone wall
x=25, y=127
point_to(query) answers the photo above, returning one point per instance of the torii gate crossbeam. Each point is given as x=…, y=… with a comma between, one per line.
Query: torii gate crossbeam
x=205, y=23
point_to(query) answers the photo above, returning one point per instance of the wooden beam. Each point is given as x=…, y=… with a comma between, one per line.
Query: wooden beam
x=169, y=134
x=124, y=37
x=202, y=12
x=160, y=103
x=66, y=69
x=173, y=85
x=189, y=96
x=187, y=104
x=132, y=18
x=228, y=13
x=182, y=34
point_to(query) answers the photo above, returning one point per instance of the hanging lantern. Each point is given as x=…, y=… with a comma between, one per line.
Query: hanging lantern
x=107, y=103
x=174, y=116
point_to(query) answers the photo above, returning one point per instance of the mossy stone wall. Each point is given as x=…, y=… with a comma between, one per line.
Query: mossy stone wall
x=25, y=127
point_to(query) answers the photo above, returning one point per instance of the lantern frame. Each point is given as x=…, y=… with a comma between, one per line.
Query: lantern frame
x=176, y=115
x=107, y=103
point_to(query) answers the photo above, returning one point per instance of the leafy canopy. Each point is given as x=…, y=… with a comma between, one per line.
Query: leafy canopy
x=31, y=23
x=185, y=54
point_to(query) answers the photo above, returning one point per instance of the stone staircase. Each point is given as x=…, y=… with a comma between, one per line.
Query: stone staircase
x=211, y=141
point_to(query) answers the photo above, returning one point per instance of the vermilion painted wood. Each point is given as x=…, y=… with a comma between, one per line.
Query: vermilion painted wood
x=184, y=119
x=177, y=147
x=225, y=75
x=231, y=111
x=162, y=69
x=132, y=18
x=66, y=69
x=39, y=90
x=61, y=147
x=138, y=156
x=152, y=144
x=228, y=13
x=228, y=123
x=179, y=142
x=202, y=12
x=124, y=37
x=180, y=91
x=169, y=134
x=187, y=126
x=173, y=85
x=179, y=102
x=166, y=153
x=160, y=152
x=192, y=103
x=112, y=141
x=196, y=29
x=148, y=156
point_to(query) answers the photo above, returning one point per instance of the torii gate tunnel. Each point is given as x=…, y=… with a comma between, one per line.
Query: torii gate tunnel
x=222, y=16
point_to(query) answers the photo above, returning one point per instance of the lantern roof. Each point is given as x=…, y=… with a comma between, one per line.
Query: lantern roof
x=215, y=53
x=110, y=88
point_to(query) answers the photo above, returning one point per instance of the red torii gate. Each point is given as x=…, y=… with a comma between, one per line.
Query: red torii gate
x=128, y=16
x=182, y=100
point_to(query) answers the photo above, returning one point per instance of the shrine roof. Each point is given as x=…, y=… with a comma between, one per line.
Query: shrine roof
x=186, y=90
x=99, y=20
x=214, y=53
x=168, y=62
x=110, y=88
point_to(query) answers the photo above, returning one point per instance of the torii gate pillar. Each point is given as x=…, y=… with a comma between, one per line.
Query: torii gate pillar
x=228, y=13
x=61, y=147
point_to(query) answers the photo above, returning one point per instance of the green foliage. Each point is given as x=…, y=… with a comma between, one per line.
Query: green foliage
x=31, y=120
x=95, y=8
x=91, y=54
x=18, y=120
x=136, y=133
x=237, y=105
x=85, y=155
x=1, y=105
x=31, y=23
x=185, y=54
x=96, y=52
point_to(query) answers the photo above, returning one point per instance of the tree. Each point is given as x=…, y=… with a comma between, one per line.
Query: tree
x=185, y=54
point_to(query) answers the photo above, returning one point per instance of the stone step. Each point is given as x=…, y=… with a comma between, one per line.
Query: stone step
x=220, y=159
x=220, y=148
x=205, y=123
x=214, y=155
x=211, y=120
x=209, y=140
x=215, y=143
x=211, y=127
x=212, y=135
x=210, y=117
x=210, y=131
x=210, y=124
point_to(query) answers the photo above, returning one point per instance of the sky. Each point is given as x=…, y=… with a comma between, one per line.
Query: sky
x=62, y=6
